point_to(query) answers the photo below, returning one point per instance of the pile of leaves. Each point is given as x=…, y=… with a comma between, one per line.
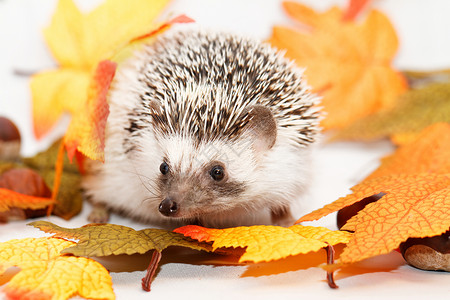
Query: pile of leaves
x=403, y=203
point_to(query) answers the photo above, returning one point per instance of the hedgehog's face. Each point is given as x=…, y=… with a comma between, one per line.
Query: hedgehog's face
x=195, y=178
x=198, y=180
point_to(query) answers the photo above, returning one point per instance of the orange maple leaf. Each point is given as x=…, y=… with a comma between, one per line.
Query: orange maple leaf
x=10, y=199
x=416, y=183
x=348, y=63
x=266, y=243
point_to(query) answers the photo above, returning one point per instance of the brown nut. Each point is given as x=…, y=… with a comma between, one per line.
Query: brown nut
x=348, y=212
x=430, y=253
x=9, y=140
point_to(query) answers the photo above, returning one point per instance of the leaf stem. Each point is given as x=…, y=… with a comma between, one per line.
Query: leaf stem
x=147, y=280
x=330, y=261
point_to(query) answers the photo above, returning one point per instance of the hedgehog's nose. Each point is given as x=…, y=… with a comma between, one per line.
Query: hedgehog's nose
x=168, y=207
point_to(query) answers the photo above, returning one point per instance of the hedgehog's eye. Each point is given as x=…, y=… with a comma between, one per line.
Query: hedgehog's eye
x=217, y=173
x=164, y=168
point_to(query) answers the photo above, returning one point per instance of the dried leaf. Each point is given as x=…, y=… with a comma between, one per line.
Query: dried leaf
x=79, y=42
x=348, y=63
x=45, y=274
x=415, y=206
x=86, y=132
x=415, y=110
x=266, y=243
x=354, y=8
x=110, y=239
x=415, y=182
x=69, y=198
x=428, y=154
x=10, y=199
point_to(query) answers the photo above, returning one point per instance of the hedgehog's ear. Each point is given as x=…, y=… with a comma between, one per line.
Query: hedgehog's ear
x=262, y=127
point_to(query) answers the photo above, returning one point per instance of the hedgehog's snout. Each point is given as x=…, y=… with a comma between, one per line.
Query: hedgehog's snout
x=169, y=207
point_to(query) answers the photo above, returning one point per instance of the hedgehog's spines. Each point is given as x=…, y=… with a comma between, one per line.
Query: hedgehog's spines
x=204, y=83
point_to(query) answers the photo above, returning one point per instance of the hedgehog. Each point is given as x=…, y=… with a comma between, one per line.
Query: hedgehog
x=207, y=128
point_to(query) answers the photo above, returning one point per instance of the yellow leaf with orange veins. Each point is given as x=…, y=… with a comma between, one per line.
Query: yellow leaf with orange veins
x=55, y=92
x=322, y=234
x=45, y=274
x=348, y=63
x=265, y=243
x=10, y=199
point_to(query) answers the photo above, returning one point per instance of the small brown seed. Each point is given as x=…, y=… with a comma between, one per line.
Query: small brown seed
x=9, y=140
x=431, y=253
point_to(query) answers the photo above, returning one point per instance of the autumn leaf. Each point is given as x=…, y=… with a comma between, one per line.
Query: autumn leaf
x=45, y=274
x=10, y=199
x=266, y=243
x=354, y=8
x=348, y=63
x=429, y=153
x=110, y=239
x=79, y=42
x=415, y=110
x=86, y=132
x=415, y=181
x=69, y=197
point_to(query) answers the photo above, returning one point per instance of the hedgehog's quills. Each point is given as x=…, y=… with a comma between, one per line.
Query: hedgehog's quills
x=205, y=128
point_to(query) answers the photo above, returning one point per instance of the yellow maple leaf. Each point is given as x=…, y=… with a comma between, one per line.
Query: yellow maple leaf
x=348, y=63
x=45, y=274
x=415, y=181
x=266, y=243
x=78, y=42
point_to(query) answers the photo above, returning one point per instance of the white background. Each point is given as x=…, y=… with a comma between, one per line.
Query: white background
x=424, y=32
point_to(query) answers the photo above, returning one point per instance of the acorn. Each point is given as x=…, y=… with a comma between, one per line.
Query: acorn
x=429, y=253
x=9, y=140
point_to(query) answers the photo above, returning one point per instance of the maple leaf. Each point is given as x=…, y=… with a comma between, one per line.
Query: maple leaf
x=81, y=83
x=10, y=199
x=266, y=243
x=354, y=8
x=415, y=182
x=86, y=132
x=110, y=239
x=348, y=63
x=45, y=274
x=415, y=110
x=78, y=42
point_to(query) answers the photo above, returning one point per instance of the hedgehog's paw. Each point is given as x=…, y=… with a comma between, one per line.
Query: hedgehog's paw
x=282, y=216
x=99, y=214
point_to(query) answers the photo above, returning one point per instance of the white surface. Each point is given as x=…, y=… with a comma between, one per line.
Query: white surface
x=424, y=31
